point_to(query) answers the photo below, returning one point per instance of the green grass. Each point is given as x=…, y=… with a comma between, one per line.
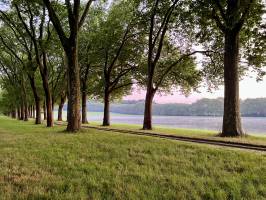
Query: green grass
x=250, y=139
x=42, y=163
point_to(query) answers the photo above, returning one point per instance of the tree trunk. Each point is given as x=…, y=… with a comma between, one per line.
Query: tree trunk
x=49, y=112
x=44, y=111
x=48, y=96
x=106, y=114
x=73, y=88
x=24, y=102
x=14, y=114
x=61, y=106
x=29, y=111
x=26, y=114
x=147, y=122
x=38, y=117
x=84, y=103
x=34, y=113
x=18, y=113
x=21, y=111
x=231, y=119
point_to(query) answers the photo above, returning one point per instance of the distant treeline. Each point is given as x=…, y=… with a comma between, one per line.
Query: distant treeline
x=203, y=107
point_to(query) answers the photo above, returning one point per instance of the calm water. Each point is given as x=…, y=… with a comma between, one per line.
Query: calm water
x=250, y=124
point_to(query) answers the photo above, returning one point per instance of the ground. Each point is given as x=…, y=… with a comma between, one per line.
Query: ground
x=194, y=133
x=48, y=163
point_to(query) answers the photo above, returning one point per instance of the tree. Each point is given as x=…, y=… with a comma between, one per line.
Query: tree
x=70, y=45
x=15, y=33
x=117, y=51
x=168, y=62
x=15, y=84
x=235, y=24
x=36, y=15
x=85, y=68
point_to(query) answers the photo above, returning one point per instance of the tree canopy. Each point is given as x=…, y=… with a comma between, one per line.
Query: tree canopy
x=53, y=52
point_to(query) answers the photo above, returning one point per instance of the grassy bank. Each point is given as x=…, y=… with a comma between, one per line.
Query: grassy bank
x=41, y=163
x=250, y=139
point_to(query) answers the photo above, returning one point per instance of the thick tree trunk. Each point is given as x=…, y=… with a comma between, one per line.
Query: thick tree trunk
x=106, y=114
x=60, y=108
x=74, y=122
x=147, y=122
x=231, y=119
x=84, y=103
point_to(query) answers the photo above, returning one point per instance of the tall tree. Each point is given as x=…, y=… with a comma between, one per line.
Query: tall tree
x=234, y=24
x=15, y=83
x=15, y=33
x=70, y=45
x=169, y=61
x=118, y=50
x=33, y=20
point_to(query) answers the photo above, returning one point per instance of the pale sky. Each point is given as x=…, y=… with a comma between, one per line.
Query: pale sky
x=249, y=88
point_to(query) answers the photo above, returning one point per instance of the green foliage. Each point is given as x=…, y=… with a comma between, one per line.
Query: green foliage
x=168, y=47
x=111, y=46
x=27, y=33
x=207, y=19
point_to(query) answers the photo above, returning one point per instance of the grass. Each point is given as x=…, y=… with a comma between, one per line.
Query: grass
x=47, y=163
x=250, y=139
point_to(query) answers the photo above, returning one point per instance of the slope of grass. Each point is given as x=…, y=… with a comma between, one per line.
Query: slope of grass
x=41, y=163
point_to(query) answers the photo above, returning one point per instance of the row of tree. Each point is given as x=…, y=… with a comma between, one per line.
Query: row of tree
x=52, y=51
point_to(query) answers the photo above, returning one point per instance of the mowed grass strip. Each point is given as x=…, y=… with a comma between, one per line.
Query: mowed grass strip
x=47, y=163
x=258, y=139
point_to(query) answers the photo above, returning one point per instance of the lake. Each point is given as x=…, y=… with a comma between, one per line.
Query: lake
x=250, y=124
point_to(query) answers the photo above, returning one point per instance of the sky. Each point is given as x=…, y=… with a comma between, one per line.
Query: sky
x=249, y=88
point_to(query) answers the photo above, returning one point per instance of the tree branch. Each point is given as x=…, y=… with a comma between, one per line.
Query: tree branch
x=239, y=25
x=11, y=50
x=218, y=21
x=174, y=64
x=119, y=50
x=168, y=17
x=85, y=13
x=221, y=10
x=56, y=22
x=121, y=86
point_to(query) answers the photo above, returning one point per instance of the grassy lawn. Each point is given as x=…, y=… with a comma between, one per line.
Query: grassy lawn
x=251, y=139
x=41, y=163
